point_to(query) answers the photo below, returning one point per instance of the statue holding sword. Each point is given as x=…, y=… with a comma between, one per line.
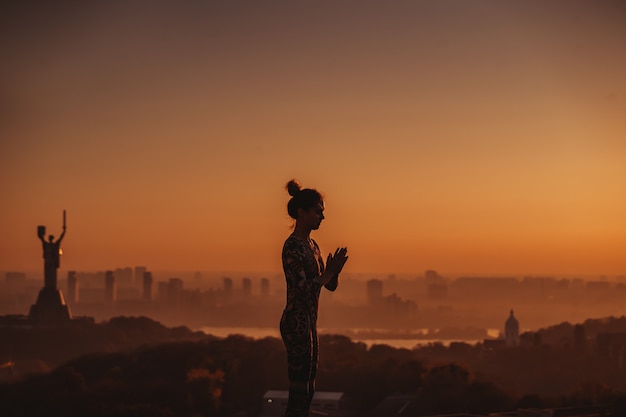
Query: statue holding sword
x=51, y=254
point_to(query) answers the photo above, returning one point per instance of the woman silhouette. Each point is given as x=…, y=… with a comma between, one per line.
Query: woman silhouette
x=305, y=274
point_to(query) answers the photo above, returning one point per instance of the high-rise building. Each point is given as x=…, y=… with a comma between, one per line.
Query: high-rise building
x=163, y=288
x=124, y=276
x=432, y=277
x=147, y=285
x=265, y=287
x=374, y=291
x=72, y=287
x=228, y=286
x=139, y=275
x=110, y=287
x=247, y=287
x=174, y=293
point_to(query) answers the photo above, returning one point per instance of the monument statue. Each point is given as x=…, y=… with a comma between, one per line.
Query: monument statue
x=51, y=254
x=50, y=307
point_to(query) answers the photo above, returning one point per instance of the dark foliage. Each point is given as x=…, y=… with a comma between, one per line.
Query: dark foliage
x=150, y=370
x=57, y=344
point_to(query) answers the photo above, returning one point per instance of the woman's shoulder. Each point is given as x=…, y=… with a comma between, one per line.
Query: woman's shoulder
x=296, y=247
x=291, y=242
x=292, y=249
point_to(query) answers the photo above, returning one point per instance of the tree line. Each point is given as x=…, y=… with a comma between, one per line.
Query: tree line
x=147, y=369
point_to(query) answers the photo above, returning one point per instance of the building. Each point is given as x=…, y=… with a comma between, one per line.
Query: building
x=228, y=287
x=197, y=277
x=247, y=287
x=511, y=331
x=374, y=291
x=432, y=277
x=139, y=275
x=110, y=287
x=163, y=288
x=265, y=287
x=124, y=276
x=72, y=287
x=173, y=298
x=324, y=403
x=147, y=286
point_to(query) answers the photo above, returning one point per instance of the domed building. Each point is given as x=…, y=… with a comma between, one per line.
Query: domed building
x=511, y=331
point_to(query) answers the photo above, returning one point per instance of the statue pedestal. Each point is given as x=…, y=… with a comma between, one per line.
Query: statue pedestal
x=50, y=307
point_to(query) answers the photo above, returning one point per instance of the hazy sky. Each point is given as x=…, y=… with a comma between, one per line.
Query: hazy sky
x=463, y=136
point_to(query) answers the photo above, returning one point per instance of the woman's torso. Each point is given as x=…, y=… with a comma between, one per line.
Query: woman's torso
x=302, y=264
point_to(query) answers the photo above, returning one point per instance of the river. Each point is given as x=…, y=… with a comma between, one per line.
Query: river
x=403, y=342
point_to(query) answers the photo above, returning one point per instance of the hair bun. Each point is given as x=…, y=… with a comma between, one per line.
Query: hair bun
x=293, y=188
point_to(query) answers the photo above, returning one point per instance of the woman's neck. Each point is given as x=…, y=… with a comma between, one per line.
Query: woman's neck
x=302, y=232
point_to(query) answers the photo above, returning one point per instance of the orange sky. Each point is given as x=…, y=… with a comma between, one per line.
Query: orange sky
x=467, y=137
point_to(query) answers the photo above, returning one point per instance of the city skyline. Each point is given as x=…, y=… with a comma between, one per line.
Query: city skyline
x=480, y=137
x=463, y=306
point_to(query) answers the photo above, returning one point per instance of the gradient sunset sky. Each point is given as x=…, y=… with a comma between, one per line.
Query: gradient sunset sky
x=462, y=136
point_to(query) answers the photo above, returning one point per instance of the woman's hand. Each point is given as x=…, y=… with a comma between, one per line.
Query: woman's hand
x=335, y=263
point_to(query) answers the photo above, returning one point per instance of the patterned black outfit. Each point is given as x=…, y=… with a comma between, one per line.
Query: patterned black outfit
x=302, y=264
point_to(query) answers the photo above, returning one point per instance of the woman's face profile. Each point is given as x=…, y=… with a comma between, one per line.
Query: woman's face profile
x=312, y=217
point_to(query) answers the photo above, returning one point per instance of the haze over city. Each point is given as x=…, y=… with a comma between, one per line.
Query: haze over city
x=471, y=156
x=467, y=137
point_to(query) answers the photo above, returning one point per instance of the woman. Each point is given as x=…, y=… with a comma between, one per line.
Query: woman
x=305, y=274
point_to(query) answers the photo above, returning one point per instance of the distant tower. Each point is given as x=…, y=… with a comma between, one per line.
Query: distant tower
x=432, y=277
x=72, y=287
x=139, y=275
x=247, y=287
x=147, y=286
x=511, y=331
x=228, y=286
x=124, y=276
x=265, y=287
x=109, y=287
x=374, y=291
x=163, y=289
x=174, y=293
